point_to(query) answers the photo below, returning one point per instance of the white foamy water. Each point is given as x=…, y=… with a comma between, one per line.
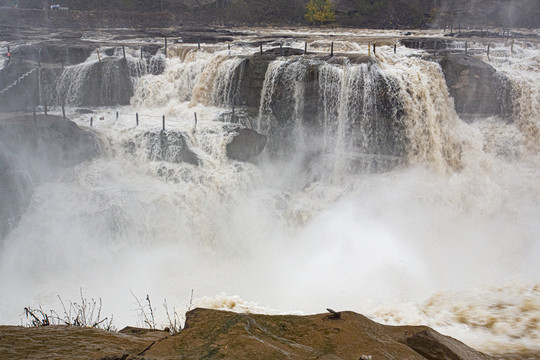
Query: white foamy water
x=450, y=238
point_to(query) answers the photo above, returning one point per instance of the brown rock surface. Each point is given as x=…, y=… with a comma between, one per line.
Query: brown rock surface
x=68, y=342
x=214, y=334
x=477, y=88
x=245, y=145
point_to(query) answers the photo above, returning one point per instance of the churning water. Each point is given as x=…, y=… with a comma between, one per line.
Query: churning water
x=448, y=236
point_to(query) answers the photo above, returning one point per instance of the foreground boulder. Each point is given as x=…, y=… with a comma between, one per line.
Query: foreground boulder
x=346, y=335
x=214, y=334
x=32, y=152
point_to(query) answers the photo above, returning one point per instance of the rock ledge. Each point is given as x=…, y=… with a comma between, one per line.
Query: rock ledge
x=215, y=334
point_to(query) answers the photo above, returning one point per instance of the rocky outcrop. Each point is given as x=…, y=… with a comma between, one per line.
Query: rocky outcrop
x=246, y=144
x=253, y=80
x=210, y=334
x=345, y=335
x=15, y=190
x=69, y=342
x=477, y=88
x=32, y=152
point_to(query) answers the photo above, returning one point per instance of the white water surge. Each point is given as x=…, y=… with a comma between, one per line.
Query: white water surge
x=450, y=238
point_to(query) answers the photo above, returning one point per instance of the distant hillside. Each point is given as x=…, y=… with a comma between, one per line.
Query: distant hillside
x=353, y=13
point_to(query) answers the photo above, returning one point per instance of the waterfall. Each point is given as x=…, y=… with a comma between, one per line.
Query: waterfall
x=393, y=108
x=359, y=114
x=219, y=83
x=94, y=83
x=281, y=109
x=430, y=119
x=522, y=70
x=208, y=79
x=372, y=194
x=137, y=67
x=351, y=111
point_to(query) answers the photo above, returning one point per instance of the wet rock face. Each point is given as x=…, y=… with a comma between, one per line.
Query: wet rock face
x=253, y=81
x=245, y=145
x=476, y=87
x=34, y=152
x=22, y=94
x=12, y=71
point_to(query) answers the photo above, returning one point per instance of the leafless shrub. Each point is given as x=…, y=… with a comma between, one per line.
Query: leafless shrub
x=87, y=313
x=190, y=306
x=37, y=317
x=146, y=313
x=175, y=325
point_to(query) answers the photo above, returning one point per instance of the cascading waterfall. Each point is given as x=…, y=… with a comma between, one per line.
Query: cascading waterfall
x=94, y=83
x=102, y=81
x=522, y=69
x=430, y=120
x=351, y=110
x=156, y=64
x=220, y=84
x=354, y=124
x=205, y=78
x=459, y=214
x=281, y=109
x=175, y=84
x=137, y=67
x=265, y=111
